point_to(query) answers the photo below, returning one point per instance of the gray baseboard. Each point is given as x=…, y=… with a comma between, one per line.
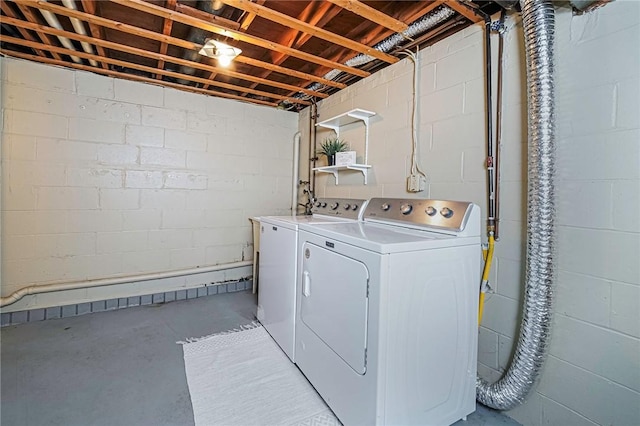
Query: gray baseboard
x=20, y=317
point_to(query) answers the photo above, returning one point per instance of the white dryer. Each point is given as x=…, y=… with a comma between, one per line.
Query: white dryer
x=278, y=264
x=387, y=312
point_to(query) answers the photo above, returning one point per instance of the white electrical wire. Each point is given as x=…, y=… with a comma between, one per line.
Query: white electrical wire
x=415, y=168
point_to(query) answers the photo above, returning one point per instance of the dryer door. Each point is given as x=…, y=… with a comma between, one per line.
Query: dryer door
x=334, y=303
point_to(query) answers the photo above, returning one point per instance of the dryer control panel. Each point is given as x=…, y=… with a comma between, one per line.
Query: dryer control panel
x=445, y=215
x=347, y=208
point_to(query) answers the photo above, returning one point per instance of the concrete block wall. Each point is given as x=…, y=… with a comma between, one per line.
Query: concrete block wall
x=592, y=374
x=104, y=177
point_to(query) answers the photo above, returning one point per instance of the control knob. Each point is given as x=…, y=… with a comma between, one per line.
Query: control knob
x=446, y=212
x=347, y=206
x=385, y=206
x=354, y=207
x=334, y=206
x=431, y=211
x=324, y=205
x=318, y=204
x=405, y=209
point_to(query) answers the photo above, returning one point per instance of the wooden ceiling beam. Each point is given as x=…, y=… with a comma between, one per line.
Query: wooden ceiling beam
x=316, y=13
x=4, y=6
x=141, y=32
x=133, y=77
x=212, y=27
x=201, y=14
x=89, y=6
x=158, y=56
x=288, y=21
x=166, y=30
x=420, y=12
x=249, y=17
x=31, y=17
x=465, y=11
x=371, y=14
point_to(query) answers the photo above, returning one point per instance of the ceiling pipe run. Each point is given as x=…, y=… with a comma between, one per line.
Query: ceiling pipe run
x=535, y=330
x=52, y=20
x=420, y=26
x=78, y=26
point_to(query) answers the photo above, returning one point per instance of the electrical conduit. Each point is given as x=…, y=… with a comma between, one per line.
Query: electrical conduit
x=535, y=329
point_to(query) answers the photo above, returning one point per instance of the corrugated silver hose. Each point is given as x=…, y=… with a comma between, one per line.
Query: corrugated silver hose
x=520, y=378
x=420, y=26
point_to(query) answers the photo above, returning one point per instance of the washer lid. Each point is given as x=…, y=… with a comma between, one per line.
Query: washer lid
x=384, y=239
x=292, y=222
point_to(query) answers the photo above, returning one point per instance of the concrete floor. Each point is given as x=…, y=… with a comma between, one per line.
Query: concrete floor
x=120, y=367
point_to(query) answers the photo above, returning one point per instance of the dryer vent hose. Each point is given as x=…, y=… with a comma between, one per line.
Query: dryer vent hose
x=522, y=374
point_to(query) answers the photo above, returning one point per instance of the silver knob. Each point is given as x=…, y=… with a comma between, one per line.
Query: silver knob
x=354, y=207
x=406, y=209
x=385, y=207
x=347, y=206
x=318, y=204
x=431, y=211
x=446, y=212
x=324, y=205
x=334, y=206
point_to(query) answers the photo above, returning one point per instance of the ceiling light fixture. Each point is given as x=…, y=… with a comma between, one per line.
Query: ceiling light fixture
x=220, y=51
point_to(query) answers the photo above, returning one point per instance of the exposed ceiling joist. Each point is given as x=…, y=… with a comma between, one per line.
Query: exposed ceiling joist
x=143, y=6
x=288, y=47
x=302, y=26
x=371, y=14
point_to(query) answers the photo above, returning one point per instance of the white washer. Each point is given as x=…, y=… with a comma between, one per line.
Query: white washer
x=278, y=263
x=386, y=323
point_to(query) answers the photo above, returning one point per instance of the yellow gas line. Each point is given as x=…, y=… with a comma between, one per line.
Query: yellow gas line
x=487, y=255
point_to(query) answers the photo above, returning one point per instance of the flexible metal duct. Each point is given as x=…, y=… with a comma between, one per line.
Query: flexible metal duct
x=535, y=330
x=420, y=26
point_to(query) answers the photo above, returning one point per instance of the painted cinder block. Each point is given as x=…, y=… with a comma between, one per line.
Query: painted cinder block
x=39, y=76
x=141, y=219
x=89, y=84
x=178, y=99
x=181, y=180
x=61, y=198
x=119, y=199
x=66, y=151
x=138, y=93
x=95, y=177
x=93, y=220
x=185, y=140
x=143, y=179
x=162, y=157
x=144, y=135
x=625, y=308
x=160, y=117
x=35, y=124
x=118, y=155
x=121, y=242
x=96, y=130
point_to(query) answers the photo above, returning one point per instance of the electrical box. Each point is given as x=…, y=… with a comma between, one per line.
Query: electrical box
x=416, y=183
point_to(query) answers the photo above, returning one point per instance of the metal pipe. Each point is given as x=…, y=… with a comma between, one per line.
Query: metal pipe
x=496, y=165
x=491, y=208
x=52, y=20
x=48, y=288
x=535, y=329
x=423, y=24
x=313, y=118
x=296, y=173
x=78, y=26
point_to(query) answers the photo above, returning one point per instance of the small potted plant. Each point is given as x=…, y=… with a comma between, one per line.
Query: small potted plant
x=330, y=146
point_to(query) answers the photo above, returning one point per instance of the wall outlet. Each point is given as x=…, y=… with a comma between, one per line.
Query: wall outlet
x=416, y=183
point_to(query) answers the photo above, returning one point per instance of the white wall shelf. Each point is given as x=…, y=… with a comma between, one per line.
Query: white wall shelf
x=341, y=120
x=363, y=168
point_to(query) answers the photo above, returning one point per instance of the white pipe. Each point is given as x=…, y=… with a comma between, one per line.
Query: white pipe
x=79, y=27
x=53, y=22
x=48, y=288
x=296, y=173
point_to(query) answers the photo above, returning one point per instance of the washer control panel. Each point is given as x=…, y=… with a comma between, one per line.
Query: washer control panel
x=339, y=207
x=441, y=214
